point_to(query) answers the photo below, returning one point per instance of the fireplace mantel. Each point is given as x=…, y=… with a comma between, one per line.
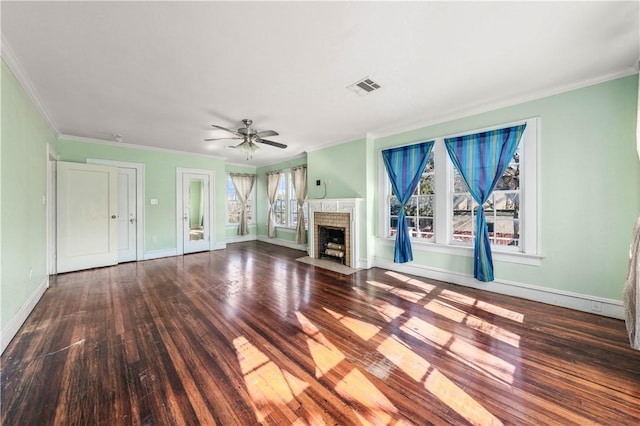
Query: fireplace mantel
x=351, y=206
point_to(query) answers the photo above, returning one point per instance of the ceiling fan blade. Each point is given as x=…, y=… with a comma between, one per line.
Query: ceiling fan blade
x=219, y=139
x=233, y=132
x=272, y=143
x=267, y=133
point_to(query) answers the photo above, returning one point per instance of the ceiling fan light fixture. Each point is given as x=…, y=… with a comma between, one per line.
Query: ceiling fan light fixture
x=250, y=138
x=248, y=148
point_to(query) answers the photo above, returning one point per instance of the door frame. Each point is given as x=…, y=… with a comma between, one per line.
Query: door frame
x=180, y=172
x=52, y=200
x=139, y=198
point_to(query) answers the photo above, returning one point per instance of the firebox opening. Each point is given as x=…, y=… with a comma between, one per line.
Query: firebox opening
x=331, y=243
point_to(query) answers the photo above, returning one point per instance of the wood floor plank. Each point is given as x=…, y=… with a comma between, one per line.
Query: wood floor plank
x=248, y=336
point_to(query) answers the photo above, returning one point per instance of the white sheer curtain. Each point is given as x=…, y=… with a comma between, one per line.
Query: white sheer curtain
x=273, y=178
x=632, y=285
x=299, y=177
x=243, y=185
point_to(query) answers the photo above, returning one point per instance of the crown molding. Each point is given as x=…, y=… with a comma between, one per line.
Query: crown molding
x=483, y=108
x=12, y=63
x=138, y=147
x=303, y=154
x=248, y=166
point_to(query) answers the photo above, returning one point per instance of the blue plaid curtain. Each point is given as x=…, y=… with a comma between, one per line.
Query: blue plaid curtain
x=405, y=165
x=482, y=159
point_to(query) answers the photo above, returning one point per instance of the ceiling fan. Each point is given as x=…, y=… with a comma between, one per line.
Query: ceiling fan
x=249, y=137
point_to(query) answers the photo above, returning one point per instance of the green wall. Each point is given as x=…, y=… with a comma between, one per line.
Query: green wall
x=23, y=224
x=160, y=183
x=346, y=170
x=342, y=167
x=589, y=199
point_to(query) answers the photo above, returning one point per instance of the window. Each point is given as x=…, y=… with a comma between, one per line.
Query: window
x=234, y=206
x=420, y=208
x=286, y=205
x=501, y=210
x=441, y=213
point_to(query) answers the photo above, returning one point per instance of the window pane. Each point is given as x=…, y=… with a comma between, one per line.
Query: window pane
x=505, y=232
x=233, y=207
x=426, y=185
x=394, y=206
x=425, y=228
x=411, y=208
x=293, y=212
x=501, y=209
x=463, y=217
x=425, y=206
x=411, y=224
x=425, y=216
x=510, y=180
x=458, y=183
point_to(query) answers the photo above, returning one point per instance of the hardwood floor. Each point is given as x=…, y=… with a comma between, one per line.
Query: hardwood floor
x=247, y=336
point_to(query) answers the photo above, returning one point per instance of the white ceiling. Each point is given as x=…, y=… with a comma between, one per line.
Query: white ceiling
x=160, y=73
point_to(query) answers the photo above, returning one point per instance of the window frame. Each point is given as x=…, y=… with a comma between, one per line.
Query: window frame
x=251, y=201
x=529, y=250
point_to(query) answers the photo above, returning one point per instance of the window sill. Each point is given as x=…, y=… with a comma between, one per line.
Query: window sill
x=499, y=256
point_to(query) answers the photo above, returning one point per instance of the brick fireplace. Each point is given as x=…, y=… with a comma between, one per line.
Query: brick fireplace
x=342, y=213
x=332, y=220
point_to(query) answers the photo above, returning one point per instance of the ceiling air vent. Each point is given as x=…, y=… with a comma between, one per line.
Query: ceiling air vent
x=364, y=86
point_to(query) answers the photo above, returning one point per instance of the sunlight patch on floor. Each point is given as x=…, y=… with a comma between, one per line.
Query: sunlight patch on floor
x=388, y=311
x=435, y=382
x=413, y=281
x=487, y=307
x=363, y=329
x=471, y=321
x=408, y=295
x=324, y=353
x=266, y=383
x=456, y=398
x=476, y=358
x=357, y=388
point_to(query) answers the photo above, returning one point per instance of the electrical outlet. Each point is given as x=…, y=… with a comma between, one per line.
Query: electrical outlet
x=318, y=182
x=596, y=306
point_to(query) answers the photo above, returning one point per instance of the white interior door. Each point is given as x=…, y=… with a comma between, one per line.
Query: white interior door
x=194, y=210
x=87, y=208
x=127, y=220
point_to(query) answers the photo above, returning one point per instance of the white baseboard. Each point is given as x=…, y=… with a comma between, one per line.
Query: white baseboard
x=364, y=264
x=577, y=301
x=157, y=254
x=284, y=243
x=241, y=238
x=219, y=246
x=11, y=329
